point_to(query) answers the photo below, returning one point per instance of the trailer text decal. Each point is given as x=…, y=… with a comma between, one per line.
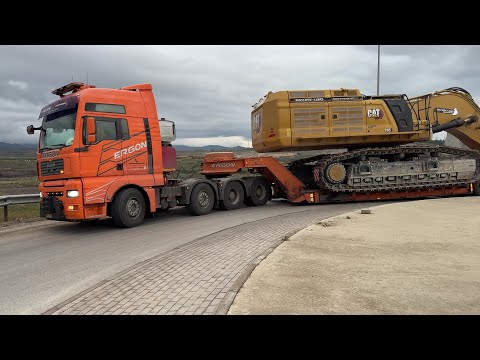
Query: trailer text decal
x=130, y=149
x=222, y=165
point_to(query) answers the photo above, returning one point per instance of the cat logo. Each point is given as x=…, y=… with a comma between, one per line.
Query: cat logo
x=375, y=113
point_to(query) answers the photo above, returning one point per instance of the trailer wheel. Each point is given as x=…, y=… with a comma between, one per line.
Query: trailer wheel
x=260, y=192
x=128, y=208
x=233, y=196
x=476, y=188
x=202, y=199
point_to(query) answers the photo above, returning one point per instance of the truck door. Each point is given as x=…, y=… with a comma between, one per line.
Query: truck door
x=104, y=157
x=137, y=148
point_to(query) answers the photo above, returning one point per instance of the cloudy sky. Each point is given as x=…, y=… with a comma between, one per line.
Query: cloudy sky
x=208, y=90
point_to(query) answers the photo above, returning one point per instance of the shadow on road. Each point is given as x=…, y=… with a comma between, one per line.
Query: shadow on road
x=89, y=228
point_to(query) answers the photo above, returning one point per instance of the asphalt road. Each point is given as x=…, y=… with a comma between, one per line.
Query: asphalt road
x=41, y=267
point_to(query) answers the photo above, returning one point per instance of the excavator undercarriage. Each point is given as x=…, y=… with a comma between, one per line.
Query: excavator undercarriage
x=405, y=167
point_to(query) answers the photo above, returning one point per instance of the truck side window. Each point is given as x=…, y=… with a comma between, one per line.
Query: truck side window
x=125, y=135
x=108, y=129
x=108, y=108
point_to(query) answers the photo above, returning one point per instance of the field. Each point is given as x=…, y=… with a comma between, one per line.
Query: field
x=18, y=174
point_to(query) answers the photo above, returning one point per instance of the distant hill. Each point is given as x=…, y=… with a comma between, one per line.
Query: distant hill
x=8, y=146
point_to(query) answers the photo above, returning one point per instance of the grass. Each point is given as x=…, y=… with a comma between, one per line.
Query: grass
x=21, y=212
x=23, y=185
x=17, y=167
x=15, y=182
x=12, y=162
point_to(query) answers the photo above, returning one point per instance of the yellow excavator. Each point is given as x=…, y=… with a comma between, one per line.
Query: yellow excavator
x=386, y=137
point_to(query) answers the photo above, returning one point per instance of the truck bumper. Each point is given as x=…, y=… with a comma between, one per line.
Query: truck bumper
x=52, y=208
x=55, y=205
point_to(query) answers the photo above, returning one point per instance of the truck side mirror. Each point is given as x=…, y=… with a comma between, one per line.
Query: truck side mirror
x=30, y=130
x=90, y=126
x=91, y=137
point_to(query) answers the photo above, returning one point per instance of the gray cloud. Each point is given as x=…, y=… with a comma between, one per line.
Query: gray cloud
x=208, y=90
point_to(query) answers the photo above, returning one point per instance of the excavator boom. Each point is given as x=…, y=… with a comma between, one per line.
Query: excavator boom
x=452, y=110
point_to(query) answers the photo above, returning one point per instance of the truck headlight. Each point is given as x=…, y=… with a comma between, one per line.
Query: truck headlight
x=72, y=193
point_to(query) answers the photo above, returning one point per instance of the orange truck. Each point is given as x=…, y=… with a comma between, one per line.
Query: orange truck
x=105, y=153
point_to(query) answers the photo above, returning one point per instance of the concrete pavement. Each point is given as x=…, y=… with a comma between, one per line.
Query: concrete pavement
x=419, y=257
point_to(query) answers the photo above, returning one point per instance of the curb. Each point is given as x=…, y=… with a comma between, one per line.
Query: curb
x=224, y=306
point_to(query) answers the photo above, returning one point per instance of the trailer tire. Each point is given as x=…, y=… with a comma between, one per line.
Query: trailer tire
x=476, y=188
x=260, y=192
x=128, y=208
x=233, y=196
x=202, y=199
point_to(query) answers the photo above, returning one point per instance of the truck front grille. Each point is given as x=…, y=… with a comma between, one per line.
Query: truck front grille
x=51, y=167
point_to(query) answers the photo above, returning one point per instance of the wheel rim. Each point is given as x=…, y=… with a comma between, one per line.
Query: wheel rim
x=260, y=192
x=203, y=198
x=233, y=196
x=133, y=207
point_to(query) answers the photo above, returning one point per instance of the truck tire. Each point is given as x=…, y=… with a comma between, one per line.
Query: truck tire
x=260, y=192
x=476, y=188
x=233, y=196
x=128, y=208
x=202, y=199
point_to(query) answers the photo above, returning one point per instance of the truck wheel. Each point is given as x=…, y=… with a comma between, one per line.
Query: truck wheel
x=233, y=196
x=260, y=192
x=476, y=188
x=128, y=208
x=202, y=199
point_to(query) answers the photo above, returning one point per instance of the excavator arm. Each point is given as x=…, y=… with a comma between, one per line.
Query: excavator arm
x=452, y=110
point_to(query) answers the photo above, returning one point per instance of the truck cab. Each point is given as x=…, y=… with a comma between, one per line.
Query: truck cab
x=94, y=142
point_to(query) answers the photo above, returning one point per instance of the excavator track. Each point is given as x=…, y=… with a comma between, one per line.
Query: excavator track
x=406, y=167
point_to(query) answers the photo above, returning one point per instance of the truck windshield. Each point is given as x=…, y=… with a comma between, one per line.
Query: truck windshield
x=58, y=129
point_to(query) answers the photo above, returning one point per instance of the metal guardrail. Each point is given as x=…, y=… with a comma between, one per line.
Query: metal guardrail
x=15, y=200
